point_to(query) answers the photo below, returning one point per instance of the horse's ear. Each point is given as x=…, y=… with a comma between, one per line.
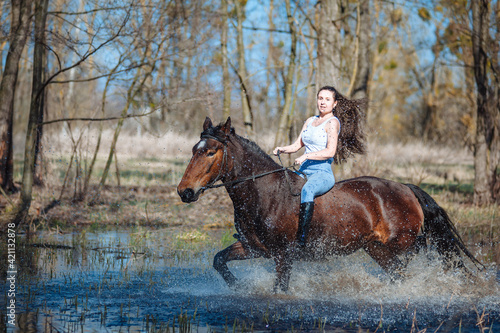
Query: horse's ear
x=207, y=124
x=227, y=126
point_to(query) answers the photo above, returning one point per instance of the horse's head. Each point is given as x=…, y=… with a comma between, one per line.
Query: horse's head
x=208, y=163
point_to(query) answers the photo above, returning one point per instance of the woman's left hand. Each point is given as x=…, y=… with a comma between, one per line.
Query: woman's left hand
x=301, y=159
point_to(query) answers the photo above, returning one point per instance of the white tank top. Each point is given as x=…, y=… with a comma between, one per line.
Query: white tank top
x=315, y=138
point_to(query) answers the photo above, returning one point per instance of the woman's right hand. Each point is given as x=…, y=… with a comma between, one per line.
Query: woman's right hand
x=277, y=150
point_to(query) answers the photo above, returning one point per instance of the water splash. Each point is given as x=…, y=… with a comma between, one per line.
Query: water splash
x=101, y=284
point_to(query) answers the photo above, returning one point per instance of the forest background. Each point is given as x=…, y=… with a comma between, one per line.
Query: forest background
x=85, y=83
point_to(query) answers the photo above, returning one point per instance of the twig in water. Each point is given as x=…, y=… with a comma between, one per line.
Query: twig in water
x=449, y=302
x=480, y=320
x=407, y=303
x=442, y=325
x=381, y=317
x=414, y=322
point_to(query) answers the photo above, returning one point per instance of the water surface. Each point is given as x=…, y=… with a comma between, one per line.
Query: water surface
x=144, y=280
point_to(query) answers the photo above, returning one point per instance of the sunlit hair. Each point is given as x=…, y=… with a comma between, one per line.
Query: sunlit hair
x=350, y=113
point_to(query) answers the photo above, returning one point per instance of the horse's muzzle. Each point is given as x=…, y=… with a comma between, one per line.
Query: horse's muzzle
x=188, y=195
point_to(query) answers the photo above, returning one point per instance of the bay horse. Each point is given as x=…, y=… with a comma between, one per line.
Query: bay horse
x=382, y=217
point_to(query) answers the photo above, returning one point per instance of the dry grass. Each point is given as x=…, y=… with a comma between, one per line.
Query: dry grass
x=414, y=163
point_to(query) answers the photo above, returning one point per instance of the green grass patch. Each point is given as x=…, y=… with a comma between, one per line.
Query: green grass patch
x=462, y=188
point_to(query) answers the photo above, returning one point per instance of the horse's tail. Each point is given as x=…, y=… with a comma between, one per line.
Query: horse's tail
x=441, y=232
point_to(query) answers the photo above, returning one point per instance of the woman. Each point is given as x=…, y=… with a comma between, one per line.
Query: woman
x=332, y=136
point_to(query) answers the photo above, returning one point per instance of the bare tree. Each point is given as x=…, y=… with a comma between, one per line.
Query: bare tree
x=39, y=85
x=269, y=59
x=287, y=107
x=242, y=69
x=362, y=66
x=36, y=108
x=149, y=55
x=99, y=137
x=495, y=141
x=486, y=161
x=226, y=80
x=328, y=43
x=427, y=79
x=20, y=22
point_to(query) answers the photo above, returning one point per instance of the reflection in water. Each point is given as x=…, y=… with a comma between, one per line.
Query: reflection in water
x=143, y=280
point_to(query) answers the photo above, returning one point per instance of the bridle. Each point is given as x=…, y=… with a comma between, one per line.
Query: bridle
x=224, y=161
x=244, y=179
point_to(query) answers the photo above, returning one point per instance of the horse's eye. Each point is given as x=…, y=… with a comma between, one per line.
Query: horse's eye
x=211, y=153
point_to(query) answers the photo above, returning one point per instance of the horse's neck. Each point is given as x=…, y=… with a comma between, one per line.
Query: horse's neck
x=248, y=193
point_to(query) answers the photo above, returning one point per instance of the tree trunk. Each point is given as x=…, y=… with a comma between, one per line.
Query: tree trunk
x=20, y=23
x=363, y=57
x=311, y=90
x=242, y=71
x=285, y=112
x=269, y=61
x=328, y=44
x=41, y=59
x=39, y=163
x=226, y=81
x=35, y=108
x=430, y=119
x=487, y=109
x=495, y=146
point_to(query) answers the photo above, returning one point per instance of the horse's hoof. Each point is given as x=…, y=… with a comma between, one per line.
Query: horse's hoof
x=231, y=281
x=278, y=291
x=280, y=288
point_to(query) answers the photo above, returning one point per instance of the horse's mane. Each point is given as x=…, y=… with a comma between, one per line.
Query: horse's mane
x=252, y=146
x=248, y=144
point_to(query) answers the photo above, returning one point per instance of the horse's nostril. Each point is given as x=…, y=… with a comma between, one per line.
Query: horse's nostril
x=187, y=195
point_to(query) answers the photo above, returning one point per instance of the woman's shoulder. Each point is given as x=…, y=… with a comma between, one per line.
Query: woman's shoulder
x=329, y=124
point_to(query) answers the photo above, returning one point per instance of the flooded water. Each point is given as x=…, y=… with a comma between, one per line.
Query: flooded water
x=151, y=280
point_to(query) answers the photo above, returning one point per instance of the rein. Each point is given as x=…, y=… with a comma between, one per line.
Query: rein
x=253, y=177
x=244, y=179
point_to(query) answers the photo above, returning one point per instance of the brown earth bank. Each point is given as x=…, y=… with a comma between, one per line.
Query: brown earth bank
x=125, y=206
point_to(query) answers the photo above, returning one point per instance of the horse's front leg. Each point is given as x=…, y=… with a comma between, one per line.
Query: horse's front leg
x=283, y=270
x=233, y=252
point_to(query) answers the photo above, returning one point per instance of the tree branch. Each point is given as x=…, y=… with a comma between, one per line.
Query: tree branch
x=87, y=11
x=88, y=54
x=275, y=30
x=100, y=119
x=124, y=117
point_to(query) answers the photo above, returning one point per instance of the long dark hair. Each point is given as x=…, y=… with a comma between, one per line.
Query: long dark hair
x=350, y=113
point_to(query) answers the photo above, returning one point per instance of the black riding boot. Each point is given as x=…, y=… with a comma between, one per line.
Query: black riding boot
x=305, y=216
